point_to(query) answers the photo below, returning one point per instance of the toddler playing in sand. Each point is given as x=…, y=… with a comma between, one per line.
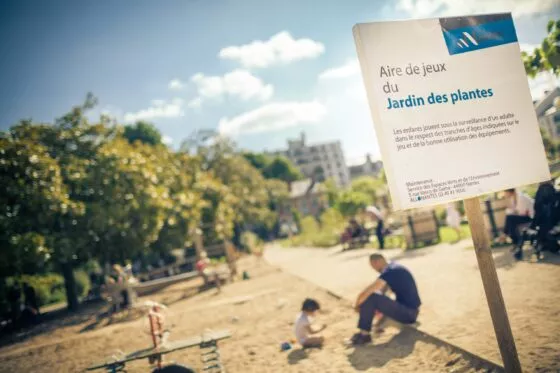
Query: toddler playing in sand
x=306, y=335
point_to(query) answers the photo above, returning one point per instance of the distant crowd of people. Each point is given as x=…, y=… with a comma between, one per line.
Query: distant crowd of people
x=356, y=230
x=524, y=216
x=533, y=219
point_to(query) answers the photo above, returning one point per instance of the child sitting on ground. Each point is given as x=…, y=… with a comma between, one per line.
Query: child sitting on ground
x=303, y=327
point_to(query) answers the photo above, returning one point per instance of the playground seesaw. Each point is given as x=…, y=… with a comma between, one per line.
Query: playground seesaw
x=207, y=342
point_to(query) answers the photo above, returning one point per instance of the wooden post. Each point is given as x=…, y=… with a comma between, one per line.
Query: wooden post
x=198, y=244
x=492, y=286
x=231, y=258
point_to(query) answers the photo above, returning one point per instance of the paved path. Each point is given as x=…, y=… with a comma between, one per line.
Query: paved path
x=454, y=306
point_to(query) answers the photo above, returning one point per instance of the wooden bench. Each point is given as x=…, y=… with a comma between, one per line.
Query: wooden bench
x=357, y=242
x=421, y=227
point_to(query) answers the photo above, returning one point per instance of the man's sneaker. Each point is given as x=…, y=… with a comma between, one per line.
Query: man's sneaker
x=355, y=337
x=361, y=339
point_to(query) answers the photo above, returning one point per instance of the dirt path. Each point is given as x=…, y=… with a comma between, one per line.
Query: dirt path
x=454, y=306
x=260, y=313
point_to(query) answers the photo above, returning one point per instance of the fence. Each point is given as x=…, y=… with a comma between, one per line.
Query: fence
x=187, y=263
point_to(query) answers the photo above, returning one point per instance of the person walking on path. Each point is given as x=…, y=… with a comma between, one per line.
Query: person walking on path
x=374, y=214
x=372, y=299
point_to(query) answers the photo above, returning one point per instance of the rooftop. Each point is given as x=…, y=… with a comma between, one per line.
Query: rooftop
x=302, y=187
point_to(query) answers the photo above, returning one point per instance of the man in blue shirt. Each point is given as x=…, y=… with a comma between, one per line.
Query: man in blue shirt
x=404, y=308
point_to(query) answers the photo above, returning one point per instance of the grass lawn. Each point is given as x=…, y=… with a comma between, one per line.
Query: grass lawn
x=327, y=239
x=449, y=235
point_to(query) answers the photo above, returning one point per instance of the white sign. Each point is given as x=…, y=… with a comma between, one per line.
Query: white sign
x=451, y=107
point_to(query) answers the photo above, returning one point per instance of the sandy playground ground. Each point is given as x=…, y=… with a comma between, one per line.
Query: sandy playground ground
x=260, y=312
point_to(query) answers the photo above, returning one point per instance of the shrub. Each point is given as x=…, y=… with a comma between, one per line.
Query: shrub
x=309, y=226
x=49, y=288
x=331, y=219
x=325, y=235
x=83, y=283
x=251, y=242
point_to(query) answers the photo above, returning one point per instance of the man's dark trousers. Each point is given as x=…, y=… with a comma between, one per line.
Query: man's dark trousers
x=388, y=307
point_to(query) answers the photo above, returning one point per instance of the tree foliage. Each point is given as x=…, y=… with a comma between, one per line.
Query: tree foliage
x=144, y=132
x=277, y=167
x=369, y=186
x=350, y=202
x=546, y=57
x=74, y=190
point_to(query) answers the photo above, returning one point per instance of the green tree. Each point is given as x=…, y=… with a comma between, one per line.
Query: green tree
x=237, y=195
x=72, y=143
x=368, y=186
x=546, y=57
x=281, y=168
x=144, y=132
x=258, y=160
x=350, y=202
x=278, y=193
x=333, y=191
x=37, y=213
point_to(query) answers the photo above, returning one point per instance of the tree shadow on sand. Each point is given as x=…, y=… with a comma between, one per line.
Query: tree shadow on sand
x=52, y=320
x=402, y=345
x=503, y=258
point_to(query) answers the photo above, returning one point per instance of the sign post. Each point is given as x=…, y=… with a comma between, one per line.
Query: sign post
x=453, y=114
x=492, y=286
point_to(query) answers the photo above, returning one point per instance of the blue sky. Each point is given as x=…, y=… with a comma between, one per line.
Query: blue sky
x=259, y=71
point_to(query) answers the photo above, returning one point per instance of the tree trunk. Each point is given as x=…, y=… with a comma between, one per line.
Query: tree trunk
x=70, y=285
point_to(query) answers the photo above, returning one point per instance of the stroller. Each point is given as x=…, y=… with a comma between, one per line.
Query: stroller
x=544, y=232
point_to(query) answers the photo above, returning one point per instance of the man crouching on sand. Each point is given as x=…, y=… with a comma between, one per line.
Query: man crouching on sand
x=372, y=299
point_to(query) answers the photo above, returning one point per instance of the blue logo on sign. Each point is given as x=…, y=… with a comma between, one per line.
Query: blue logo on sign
x=483, y=35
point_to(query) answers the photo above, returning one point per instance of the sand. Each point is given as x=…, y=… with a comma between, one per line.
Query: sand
x=454, y=304
x=260, y=312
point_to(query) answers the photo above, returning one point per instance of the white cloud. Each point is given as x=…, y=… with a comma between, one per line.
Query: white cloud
x=159, y=109
x=158, y=102
x=281, y=48
x=237, y=83
x=427, y=8
x=175, y=85
x=350, y=68
x=529, y=48
x=273, y=117
x=541, y=83
x=195, y=103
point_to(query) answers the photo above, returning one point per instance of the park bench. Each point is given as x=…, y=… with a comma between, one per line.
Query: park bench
x=421, y=227
x=358, y=241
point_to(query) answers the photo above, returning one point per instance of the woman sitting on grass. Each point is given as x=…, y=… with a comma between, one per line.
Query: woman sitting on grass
x=303, y=327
